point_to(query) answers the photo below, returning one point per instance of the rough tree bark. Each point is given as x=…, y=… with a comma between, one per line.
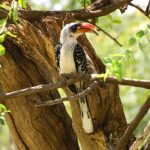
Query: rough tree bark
x=29, y=61
x=32, y=128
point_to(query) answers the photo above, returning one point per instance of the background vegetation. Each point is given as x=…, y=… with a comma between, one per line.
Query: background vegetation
x=132, y=30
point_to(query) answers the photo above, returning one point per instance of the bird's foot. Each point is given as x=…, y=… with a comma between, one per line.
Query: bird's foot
x=67, y=75
x=63, y=79
x=63, y=75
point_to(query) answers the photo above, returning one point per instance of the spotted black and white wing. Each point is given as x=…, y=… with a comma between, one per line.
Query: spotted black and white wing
x=81, y=67
x=57, y=53
x=80, y=59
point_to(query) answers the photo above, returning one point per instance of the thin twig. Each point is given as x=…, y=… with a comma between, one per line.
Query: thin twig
x=69, y=98
x=141, y=139
x=147, y=9
x=72, y=79
x=123, y=140
x=110, y=36
x=139, y=8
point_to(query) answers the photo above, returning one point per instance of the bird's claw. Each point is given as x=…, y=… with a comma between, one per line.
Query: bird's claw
x=63, y=78
x=63, y=75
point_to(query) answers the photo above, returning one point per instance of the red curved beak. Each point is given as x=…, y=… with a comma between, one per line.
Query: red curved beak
x=87, y=27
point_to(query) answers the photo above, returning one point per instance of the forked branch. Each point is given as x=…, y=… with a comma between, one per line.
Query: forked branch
x=72, y=79
x=69, y=98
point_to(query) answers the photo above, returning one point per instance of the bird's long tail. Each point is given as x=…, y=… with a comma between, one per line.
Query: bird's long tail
x=87, y=122
x=86, y=118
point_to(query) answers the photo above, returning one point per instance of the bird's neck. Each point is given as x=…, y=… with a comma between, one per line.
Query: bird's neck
x=67, y=39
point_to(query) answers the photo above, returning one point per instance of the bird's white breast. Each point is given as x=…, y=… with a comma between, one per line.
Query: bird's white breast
x=67, y=64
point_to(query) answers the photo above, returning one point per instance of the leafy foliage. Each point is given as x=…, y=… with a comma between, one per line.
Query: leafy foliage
x=85, y=2
x=2, y=25
x=113, y=66
x=2, y=50
x=116, y=20
x=13, y=11
x=132, y=41
x=22, y=3
x=140, y=33
x=3, y=110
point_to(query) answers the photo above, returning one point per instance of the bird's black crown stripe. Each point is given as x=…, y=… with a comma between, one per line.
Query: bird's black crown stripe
x=74, y=27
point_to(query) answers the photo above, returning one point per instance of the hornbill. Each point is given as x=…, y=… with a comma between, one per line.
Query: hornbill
x=70, y=58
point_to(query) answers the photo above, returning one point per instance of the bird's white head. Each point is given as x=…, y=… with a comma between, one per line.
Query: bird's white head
x=72, y=31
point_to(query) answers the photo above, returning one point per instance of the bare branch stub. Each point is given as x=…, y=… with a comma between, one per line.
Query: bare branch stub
x=129, y=131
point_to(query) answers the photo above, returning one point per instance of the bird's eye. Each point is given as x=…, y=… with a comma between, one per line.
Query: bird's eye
x=74, y=27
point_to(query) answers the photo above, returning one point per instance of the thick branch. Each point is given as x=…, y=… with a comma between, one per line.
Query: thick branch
x=73, y=97
x=80, y=14
x=144, y=109
x=130, y=82
x=142, y=138
x=74, y=78
x=37, y=89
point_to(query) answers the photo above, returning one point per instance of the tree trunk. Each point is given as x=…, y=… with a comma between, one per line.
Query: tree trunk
x=26, y=64
x=29, y=61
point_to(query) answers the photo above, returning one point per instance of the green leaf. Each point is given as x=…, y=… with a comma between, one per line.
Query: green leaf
x=117, y=21
x=10, y=13
x=2, y=108
x=148, y=26
x=2, y=50
x=2, y=25
x=22, y=3
x=117, y=57
x=107, y=61
x=15, y=12
x=2, y=38
x=139, y=34
x=85, y=2
x=10, y=34
x=116, y=69
x=129, y=55
x=109, y=17
x=2, y=122
x=141, y=46
x=148, y=37
x=132, y=41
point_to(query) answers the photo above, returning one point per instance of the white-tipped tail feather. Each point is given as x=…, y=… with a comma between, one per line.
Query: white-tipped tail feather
x=86, y=118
